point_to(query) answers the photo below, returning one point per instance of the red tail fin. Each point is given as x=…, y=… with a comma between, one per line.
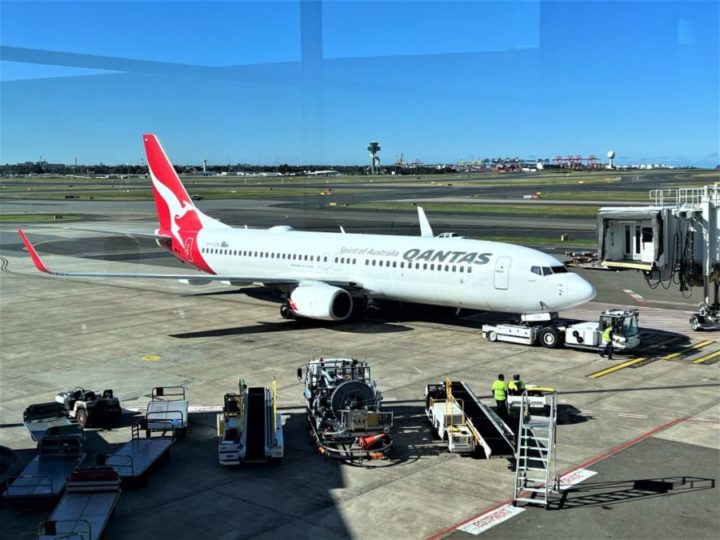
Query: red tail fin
x=171, y=198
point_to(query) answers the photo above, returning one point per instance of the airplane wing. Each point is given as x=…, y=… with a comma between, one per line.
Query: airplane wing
x=192, y=279
x=149, y=236
x=425, y=229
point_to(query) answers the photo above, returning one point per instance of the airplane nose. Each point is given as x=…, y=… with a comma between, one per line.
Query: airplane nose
x=582, y=290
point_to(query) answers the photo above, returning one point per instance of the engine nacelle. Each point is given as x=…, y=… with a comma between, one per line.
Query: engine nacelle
x=318, y=300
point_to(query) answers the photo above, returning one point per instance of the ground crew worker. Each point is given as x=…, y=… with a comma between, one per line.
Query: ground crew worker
x=516, y=386
x=607, y=339
x=499, y=389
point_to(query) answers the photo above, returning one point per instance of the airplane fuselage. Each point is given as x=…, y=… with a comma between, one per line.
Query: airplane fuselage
x=455, y=272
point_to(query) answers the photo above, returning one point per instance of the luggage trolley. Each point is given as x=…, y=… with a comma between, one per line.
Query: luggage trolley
x=134, y=459
x=168, y=407
x=40, y=417
x=46, y=475
x=86, y=507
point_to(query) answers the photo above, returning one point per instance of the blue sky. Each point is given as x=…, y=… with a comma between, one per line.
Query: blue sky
x=303, y=81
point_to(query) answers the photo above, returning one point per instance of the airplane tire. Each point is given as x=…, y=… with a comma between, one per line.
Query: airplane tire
x=81, y=417
x=549, y=337
x=285, y=312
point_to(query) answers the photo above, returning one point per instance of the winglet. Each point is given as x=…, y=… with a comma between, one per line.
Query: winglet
x=425, y=229
x=37, y=261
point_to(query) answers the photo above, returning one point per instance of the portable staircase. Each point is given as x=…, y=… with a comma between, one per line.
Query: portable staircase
x=536, y=467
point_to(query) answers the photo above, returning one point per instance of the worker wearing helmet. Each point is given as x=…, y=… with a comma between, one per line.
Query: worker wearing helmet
x=516, y=386
x=499, y=390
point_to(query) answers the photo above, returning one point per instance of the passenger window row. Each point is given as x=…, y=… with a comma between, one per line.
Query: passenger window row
x=420, y=266
x=264, y=254
x=348, y=260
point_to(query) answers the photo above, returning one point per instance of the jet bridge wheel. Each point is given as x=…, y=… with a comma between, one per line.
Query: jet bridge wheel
x=549, y=337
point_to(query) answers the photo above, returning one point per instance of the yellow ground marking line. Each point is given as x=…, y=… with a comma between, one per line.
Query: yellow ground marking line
x=151, y=358
x=613, y=369
x=707, y=357
x=689, y=349
x=631, y=362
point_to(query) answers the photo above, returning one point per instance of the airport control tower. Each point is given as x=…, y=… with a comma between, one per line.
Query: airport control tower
x=373, y=149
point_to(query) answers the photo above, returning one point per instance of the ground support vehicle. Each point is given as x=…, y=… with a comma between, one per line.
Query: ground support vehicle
x=168, y=407
x=537, y=400
x=136, y=458
x=41, y=417
x=249, y=427
x=582, y=335
x=707, y=317
x=91, y=408
x=46, y=475
x=86, y=507
x=469, y=425
x=344, y=410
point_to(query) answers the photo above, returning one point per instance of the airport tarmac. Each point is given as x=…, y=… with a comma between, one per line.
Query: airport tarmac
x=646, y=417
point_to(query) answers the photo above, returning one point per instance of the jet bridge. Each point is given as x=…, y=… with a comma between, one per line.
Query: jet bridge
x=672, y=241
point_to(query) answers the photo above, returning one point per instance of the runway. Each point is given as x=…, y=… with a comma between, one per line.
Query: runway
x=130, y=335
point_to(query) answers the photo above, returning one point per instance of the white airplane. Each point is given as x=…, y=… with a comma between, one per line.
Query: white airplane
x=325, y=275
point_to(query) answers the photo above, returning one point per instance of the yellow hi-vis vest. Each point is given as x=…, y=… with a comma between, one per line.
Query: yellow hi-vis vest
x=499, y=387
x=606, y=334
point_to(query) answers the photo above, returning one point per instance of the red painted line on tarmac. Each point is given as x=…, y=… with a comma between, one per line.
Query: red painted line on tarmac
x=468, y=520
x=626, y=445
x=591, y=461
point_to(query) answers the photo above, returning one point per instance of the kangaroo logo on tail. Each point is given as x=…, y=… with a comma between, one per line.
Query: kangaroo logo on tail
x=175, y=210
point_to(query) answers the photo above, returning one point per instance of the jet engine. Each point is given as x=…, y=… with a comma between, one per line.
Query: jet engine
x=318, y=300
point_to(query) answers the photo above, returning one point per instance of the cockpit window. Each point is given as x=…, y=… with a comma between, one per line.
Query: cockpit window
x=548, y=270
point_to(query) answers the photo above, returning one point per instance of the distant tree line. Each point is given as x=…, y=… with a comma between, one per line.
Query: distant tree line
x=60, y=169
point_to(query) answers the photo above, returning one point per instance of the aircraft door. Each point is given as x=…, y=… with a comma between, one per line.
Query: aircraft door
x=502, y=272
